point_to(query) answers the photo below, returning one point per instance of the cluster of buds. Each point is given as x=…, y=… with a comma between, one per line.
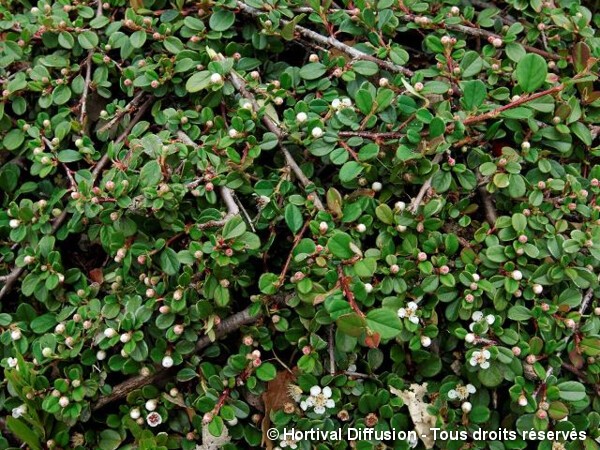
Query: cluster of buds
x=255, y=358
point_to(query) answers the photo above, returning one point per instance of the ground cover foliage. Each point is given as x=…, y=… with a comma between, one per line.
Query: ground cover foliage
x=221, y=217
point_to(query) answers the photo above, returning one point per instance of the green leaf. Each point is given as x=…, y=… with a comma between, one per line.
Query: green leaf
x=364, y=101
x=24, y=432
x=519, y=313
x=385, y=322
x=590, y=346
x=43, y=323
x=88, y=39
x=67, y=156
x=293, y=217
x=339, y=245
x=350, y=171
x=198, y=81
x=13, y=139
x=351, y=324
x=531, y=72
x=221, y=20
x=169, y=261
x=312, y=71
x=471, y=64
x=367, y=68
x=109, y=440
x=266, y=372
x=234, y=228
x=150, y=174
x=571, y=391
x=268, y=283
x=474, y=94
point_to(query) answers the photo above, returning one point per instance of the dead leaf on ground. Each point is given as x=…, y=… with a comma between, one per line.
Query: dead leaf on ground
x=276, y=395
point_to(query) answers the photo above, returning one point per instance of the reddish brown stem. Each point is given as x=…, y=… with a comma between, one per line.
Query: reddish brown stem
x=345, y=283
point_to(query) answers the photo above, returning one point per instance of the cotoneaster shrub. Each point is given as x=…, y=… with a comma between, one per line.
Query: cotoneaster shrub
x=222, y=217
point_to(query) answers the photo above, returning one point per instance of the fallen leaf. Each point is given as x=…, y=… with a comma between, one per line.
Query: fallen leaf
x=417, y=408
x=276, y=395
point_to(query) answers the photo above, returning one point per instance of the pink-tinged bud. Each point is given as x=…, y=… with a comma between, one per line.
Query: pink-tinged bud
x=255, y=354
x=248, y=340
x=207, y=418
x=178, y=329
x=522, y=239
x=209, y=187
x=394, y=268
x=141, y=259
x=541, y=414
x=531, y=359
x=570, y=323
x=516, y=351
x=155, y=84
x=451, y=162
x=422, y=256
x=595, y=182
x=469, y=298
x=275, y=319
x=444, y=270
x=306, y=350
x=319, y=248
x=229, y=252
x=164, y=309
x=257, y=362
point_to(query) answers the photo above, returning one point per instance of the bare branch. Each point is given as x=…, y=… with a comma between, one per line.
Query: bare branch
x=88, y=74
x=488, y=206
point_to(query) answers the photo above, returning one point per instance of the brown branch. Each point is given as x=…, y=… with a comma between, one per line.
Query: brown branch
x=142, y=109
x=128, y=108
x=332, y=42
x=345, y=284
x=123, y=389
x=88, y=74
x=488, y=206
x=239, y=83
x=289, y=258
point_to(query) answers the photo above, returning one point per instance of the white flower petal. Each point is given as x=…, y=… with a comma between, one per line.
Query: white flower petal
x=327, y=391
x=452, y=394
x=402, y=313
x=477, y=316
x=471, y=389
x=490, y=319
x=485, y=365
x=473, y=361
x=315, y=390
x=330, y=403
x=486, y=354
x=413, y=306
x=414, y=319
x=304, y=406
x=319, y=409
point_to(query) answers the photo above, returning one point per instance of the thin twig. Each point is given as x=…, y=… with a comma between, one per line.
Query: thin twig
x=123, y=389
x=332, y=42
x=142, y=109
x=239, y=83
x=331, y=345
x=414, y=205
x=128, y=108
x=289, y=258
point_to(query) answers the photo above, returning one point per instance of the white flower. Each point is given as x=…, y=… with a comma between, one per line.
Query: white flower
x=289, y=442
x=135, y=413
x=477, y=316
x=125, y=338
x=167, y=361
x=154, y=419
x=490, y=319
x=323, y=227
x=537, y=288
x=517, y=275
x=336, y=103
x=377, y=186
x=63, y=401
x=461, y=392
x=100, y=355
x=12, y=362
x=60, y=328
x=400, y=206
x=317, y=132
x=368, y=288
x=151, y=405
x=216, y=78
x=470, y=338
x=233, y=133
x=480, y=358
x=425, y=341
x=14, y=223
x=319, y=399
x=361, y=228
x=410, y=312
x=476, y=277
x=346, y=102
x=301, y=117
x=19, y=411
x=110, y=333
x=248, y=106
x=466, y=407
x=15, y=335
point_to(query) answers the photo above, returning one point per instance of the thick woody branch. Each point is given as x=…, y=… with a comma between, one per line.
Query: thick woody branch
x=239, y=83
x=333, y=42
x=488, y=206
x=228, y=325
